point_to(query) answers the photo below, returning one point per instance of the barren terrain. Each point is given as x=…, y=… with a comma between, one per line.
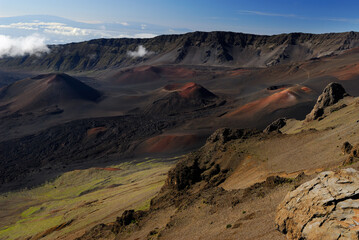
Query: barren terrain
x=85, y=137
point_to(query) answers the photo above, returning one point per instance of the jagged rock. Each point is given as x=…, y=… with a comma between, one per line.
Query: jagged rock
x=110, y=230
x=184, y=174
x=100, y=231
x=334, y=109
x=346, y=148
x=128, y=217
x=353, y=155
x=331, y=94
x=202, y=165
x=224, y=135
x=275, y=126
x=326, y=207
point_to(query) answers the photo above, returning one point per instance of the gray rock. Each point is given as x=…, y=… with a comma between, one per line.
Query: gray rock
x=331, y=94
x=326, y=207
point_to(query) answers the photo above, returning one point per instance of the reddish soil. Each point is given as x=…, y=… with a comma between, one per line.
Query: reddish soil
x=306, y=89
x=347, y=72
x=48, y=92
x=238, y=72
x=177, y=72
x=180, y=87
x=168, y=143
x=189, y=89
x=94, y=131
x=277, y=100
x=186, y=90
x=352, y=51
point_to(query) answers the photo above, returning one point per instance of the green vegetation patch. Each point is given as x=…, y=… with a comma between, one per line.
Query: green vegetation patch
x=82, y=197
x=31, y=210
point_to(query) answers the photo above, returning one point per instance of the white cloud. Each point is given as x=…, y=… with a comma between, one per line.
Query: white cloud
x=144, y=35
x=35, y=24
x=89, y=21
x=57, y=31
x=21, y=46
x=140, y=52
x=48, y=27
x=137, y=35
x=67, y=31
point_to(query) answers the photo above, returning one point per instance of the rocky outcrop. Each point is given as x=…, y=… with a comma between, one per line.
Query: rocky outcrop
x=353, y=154
x=128, y=217
x=275, y=126
x=208, y=163
x=185, y=174
x=224, y=135
x=100, y=231
x=346, y=148
x=326, y=207
x=332, y=93
x=109, y=231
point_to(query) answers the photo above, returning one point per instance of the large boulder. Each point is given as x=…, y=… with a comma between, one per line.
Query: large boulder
x=326, y=207
x=331, y=94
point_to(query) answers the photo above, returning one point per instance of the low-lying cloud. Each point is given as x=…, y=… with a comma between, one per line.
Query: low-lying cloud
x=20, y=46
x=140, y=52
x=48, y=27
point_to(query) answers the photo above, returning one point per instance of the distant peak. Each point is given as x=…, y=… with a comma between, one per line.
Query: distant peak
x=190, y=90
x=180, y=87
x=51, y=75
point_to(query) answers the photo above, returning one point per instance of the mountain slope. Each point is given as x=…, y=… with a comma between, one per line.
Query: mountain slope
x=230, y=188
x=197, y=48
x=44, y=91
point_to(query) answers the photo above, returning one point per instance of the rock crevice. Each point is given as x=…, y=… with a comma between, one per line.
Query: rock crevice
x=326, y=207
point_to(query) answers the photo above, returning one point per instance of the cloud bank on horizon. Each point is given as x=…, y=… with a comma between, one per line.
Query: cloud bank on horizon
x=46, y=27
x=29, y=35
x=20, y=46
x=57, y=30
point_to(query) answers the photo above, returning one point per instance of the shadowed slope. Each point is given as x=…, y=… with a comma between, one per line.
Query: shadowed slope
x=150, y=74
x=44, y=91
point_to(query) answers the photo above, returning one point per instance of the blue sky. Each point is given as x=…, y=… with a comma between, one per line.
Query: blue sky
x=140, y=18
